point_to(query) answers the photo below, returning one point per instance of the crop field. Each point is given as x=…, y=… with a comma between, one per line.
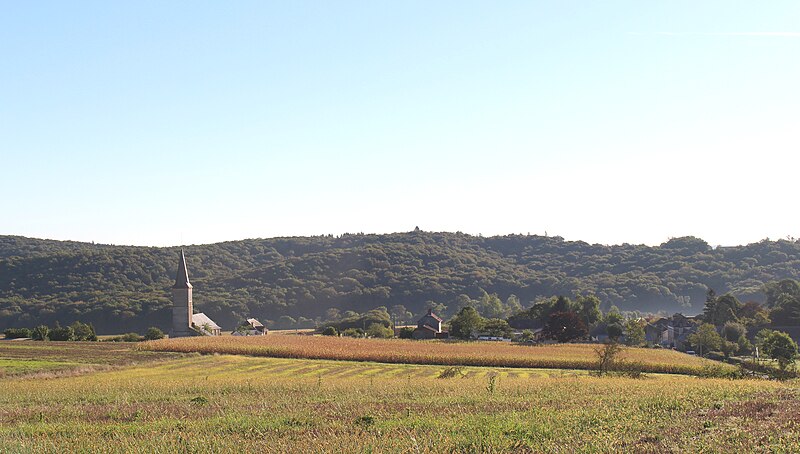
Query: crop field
x=225, y=403
x=64, y=358
x=493, y=354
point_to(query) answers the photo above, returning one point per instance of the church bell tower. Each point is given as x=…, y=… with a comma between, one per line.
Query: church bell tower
x=181, y=302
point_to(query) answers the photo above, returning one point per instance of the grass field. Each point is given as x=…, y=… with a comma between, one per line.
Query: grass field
x=227, y=403
x=494, y=354
x=222, y=403
x=65, y=358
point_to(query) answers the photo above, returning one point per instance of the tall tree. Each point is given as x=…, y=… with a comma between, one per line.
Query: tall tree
x=466, y=324
x=706, y=339
x=721, y=309
x=589, y=309
x=780, y=347
x=565, y=327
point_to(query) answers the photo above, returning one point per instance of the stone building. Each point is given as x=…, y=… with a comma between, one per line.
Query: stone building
x=184, y=321
x=429, y=327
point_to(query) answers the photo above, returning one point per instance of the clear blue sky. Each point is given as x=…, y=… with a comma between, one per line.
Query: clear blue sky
x=160, y=123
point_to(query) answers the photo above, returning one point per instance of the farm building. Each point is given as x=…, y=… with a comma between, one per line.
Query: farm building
x=251, y=327
x=429, y=327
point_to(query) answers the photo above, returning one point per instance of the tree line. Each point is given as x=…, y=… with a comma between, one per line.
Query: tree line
x=294, y=282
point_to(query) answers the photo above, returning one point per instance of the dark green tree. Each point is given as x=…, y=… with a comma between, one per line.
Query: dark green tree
x=565, y=327
x=153, y=333
x=780, y=347
x=706, y=339
x=466, y=324
x=40, y=333
x=497, y=327
x=614, y=331
x=83, y=331
x=634, y=332
x=589, y=309
x=721, y=309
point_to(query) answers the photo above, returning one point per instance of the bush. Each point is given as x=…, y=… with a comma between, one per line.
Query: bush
x=83, y=332
x=780, y=347
x=329, y=331
x=62, y=333
x=379, y=331
x=153, y=333
x=406, y=332
x=353, y=332
x=129, y=337
x=729, y=348
x=40, y=333
x=17, y=333
x=614, y=331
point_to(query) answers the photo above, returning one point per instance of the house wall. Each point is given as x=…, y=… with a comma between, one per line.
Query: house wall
x=430, y=321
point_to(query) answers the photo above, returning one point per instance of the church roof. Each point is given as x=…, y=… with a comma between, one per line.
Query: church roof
x=201, y=319
x=182, y=279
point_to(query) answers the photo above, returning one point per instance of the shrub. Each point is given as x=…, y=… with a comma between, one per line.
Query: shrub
x=40, y=333
x=607, y=356
x=83, y=332
x=406, y=332
x=153, y=333
x=353, y=332
x=728, y=348
x=62, y=333
x=17, y=333
x=129, y=337
x=614, y=331
x=329, y=331
x=379, y=331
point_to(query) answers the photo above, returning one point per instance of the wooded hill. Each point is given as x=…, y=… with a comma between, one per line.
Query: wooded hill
x=125, y=288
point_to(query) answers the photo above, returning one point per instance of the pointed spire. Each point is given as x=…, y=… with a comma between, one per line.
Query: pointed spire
x=182, y=279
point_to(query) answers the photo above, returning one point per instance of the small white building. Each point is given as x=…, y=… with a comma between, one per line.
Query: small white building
x=251, y=327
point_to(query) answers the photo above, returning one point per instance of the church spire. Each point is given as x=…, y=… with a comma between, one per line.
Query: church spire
x=182, y=279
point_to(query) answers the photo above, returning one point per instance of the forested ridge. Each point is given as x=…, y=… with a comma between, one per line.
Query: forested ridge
x=126, y=288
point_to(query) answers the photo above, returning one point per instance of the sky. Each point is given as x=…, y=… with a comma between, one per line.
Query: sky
x=187, y=122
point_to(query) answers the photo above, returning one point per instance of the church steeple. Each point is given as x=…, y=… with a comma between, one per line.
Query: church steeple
x=182, y=279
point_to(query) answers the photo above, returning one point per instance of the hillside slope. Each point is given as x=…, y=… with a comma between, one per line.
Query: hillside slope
x=124, y=288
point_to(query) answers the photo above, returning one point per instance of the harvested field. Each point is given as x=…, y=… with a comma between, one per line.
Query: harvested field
x=222, y=403
x=31, y=357
x=493, y=354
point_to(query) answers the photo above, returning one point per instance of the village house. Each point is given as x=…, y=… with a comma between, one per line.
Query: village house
x=671, y=332
x=185, y=322
x=251, y=327
x=429, y=327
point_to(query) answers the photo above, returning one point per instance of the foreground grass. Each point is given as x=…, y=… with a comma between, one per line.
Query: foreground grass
x=494, y=354
x=223, y=403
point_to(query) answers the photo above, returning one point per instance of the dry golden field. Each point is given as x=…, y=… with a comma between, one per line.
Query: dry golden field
x=223, y=403
x=494, y=354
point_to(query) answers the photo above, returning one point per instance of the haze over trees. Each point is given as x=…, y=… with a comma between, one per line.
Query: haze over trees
x=296, y=281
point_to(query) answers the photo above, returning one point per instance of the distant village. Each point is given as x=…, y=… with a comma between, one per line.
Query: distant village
x=558, y=320
x=673, y=332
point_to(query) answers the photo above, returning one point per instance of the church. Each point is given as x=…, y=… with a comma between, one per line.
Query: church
x=185, y=322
